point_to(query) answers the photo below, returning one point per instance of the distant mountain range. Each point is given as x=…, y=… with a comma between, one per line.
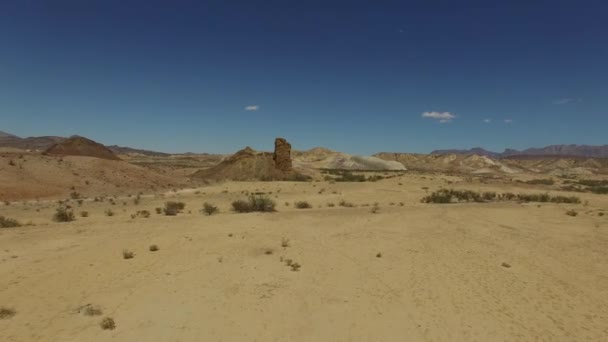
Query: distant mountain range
x=44, y=142
x=548, y=151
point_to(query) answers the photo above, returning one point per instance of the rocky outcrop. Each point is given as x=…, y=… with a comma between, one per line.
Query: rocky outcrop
x=80, y=146
x=282, y=154
x=250, y=165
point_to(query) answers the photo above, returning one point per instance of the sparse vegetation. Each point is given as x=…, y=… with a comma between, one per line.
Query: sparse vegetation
x=153, y=248
x=107, y=324
x=141, y=213
x=345, y=204
x=456, y=196
x=6, y=313
x=375, y=208
x=63, y=214
x=84, y=214
x=127, y=254
x=548, y=181
x=302, y=205
x=91, y=310
x=572, y=213
x=284, y=242
x=209, y=209
x=109, y=212
x=255, y=202
x=6, y=222
x=173, y=208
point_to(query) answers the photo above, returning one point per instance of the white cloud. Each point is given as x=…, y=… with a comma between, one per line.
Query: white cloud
x=508, y=121
x=443, y=117
x=487, y=120
x=252, y=108
x=566, y=101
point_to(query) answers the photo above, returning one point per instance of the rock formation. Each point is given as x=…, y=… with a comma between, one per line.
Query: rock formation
x=282, y=154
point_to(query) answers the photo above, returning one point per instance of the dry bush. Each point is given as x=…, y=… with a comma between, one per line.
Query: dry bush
x=302, y=205
x=141, y=213
x=259, y=203
x=127, y=254
x=62, y=214
x=346, y=204
x=6, y=222
x=109, y=212
x=6, y=313
x=84, y=214
x=173, y=208
x=571, y=213
x=209, y=209
x=284, y=242
x=107, y=324
x=153, y=248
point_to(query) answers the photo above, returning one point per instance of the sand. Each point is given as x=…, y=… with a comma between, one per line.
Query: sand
x=416, y=272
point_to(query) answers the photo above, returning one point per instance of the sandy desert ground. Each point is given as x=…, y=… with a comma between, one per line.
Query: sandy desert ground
x=410, y=272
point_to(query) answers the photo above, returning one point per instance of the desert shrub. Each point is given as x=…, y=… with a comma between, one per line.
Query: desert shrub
x=173, y=208
x=209, y=209
x=508, y=196
x=455, y=196
x=375, y=208
x=591, y=182
x=127, y=254
x=565, y=199
x=374, y=178
x=601, y=190
x=571, y=213
x=284, y=242
x=153, y=248
x=241, y=206
x=331, y=205
x=74, y=195
x=7, y=312
x=489, y=196
x=347, y=176
x=548, y=181
x=345, y=204
x=141, y=213
x=6, y=222
x=84, y=214
x=159, y=210
x=302, y=205
x=255, y=202
x=534, y=197
x=107, y=324
x=109, y=212
x=63, y=214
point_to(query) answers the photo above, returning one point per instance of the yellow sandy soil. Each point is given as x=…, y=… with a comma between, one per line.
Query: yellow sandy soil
x=439, y=276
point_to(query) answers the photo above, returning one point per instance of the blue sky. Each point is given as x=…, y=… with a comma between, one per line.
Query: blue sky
x=355, y=76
